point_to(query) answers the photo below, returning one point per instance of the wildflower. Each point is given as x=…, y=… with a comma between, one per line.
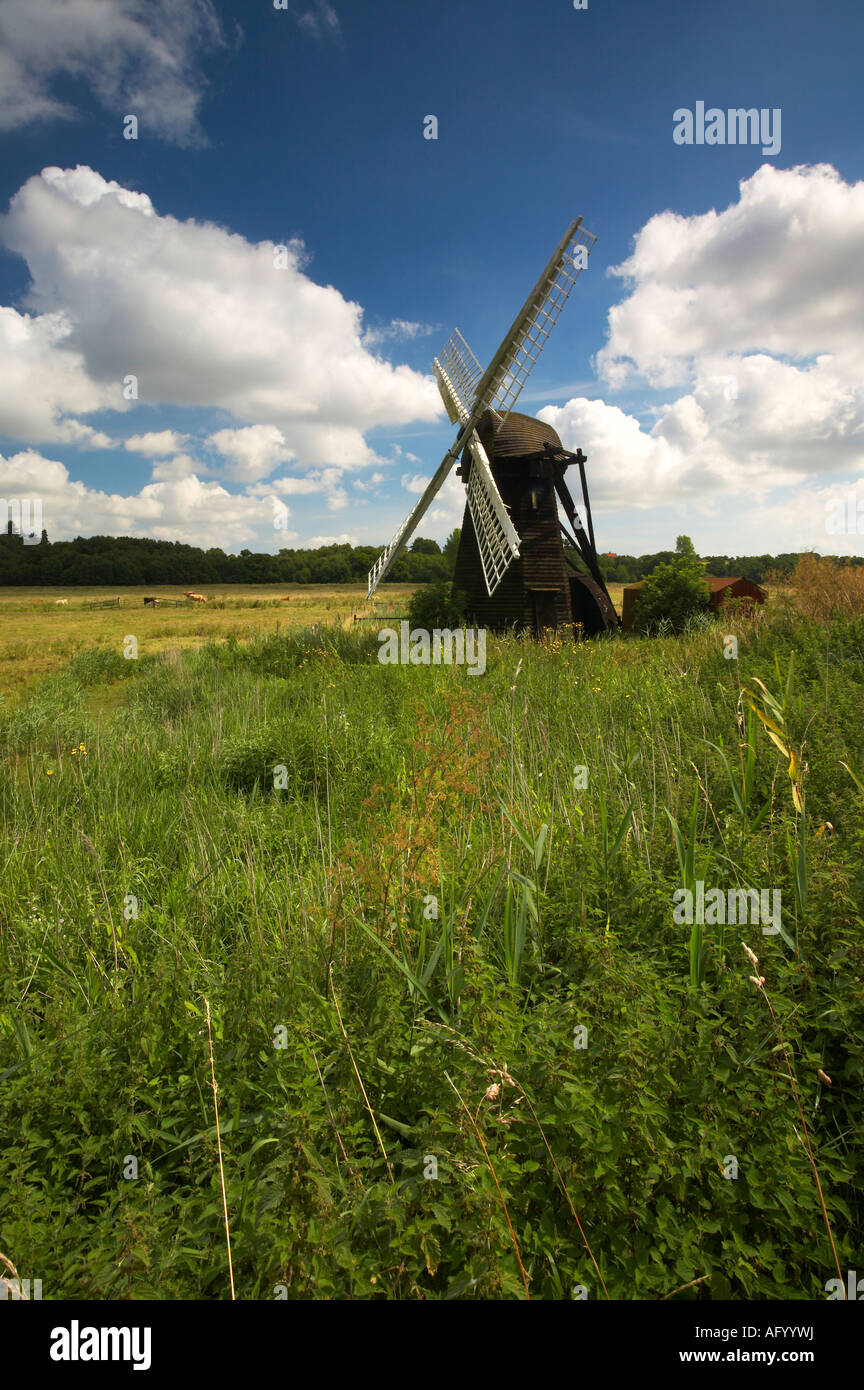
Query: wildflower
x=492, y=1092
x=50, y=771
x=754, y=960
x=822, y=1077
x=758, y=980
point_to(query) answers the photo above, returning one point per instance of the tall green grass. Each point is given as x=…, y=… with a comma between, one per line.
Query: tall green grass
x=427, y=862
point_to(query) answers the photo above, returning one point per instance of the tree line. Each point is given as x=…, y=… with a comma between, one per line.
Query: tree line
x=122, y=560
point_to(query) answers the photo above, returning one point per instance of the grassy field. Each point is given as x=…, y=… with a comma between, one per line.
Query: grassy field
x=427, y=923
x=37, y=635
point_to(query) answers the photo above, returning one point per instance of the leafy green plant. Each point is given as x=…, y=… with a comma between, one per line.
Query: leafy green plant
x=671, y=595
x=437, y=605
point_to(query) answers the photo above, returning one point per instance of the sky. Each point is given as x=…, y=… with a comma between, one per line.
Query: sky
x=232, y=239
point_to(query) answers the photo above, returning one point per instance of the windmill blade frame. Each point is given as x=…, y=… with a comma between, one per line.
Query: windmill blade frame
x=390, y=554
x=499, y=388
x=458, y=374
x=497, y=537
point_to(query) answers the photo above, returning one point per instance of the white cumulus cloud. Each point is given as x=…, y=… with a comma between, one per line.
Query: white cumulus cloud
x=137, y=57
x=156, y=443
x=180, y=508
x=753, y=315
x=201, y=317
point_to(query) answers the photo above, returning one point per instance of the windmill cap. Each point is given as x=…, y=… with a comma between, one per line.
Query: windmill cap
x=520, y=434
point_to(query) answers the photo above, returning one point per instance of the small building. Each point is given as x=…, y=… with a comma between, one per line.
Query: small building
x=720, y=588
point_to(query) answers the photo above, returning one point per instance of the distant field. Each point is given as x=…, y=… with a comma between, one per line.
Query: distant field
x=38, y=636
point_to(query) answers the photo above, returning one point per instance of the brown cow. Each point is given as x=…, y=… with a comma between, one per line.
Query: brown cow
x=198, y=598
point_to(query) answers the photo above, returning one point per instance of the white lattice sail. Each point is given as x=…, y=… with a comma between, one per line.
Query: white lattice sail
x=511, y=366
x=497, y=538
x=458, y=374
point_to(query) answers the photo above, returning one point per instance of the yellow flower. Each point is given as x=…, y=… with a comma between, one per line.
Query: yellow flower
x=50, y=771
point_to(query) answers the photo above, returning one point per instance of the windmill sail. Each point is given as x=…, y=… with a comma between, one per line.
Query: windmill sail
x=468, y=392
x=458, y=374
x=509, y=369
x=497, y=539
x=388, y=557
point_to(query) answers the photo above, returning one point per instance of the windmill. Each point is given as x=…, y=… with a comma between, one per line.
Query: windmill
x=511, y=561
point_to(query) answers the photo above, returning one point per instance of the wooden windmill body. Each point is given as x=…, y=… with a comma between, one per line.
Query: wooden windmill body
x=541, y=589
x=512, y=565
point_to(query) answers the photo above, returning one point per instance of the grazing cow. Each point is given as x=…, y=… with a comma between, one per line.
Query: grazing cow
x=63, y=601
x=286, y=598
x=198, y=598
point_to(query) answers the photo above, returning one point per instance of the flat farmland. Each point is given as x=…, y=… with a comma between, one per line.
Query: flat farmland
x=38, y=635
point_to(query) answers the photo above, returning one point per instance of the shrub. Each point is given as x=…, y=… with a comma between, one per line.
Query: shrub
x=437, y=605
x=248, y=762
x=672, y=596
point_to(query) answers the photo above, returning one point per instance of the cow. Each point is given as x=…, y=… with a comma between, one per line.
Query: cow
x=151, y=603
x=286, y=598
x=197, y=598
x=63, y=601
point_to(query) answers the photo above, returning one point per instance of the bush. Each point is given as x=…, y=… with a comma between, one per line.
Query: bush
x=437, y=605
x=672, y=596
x=248, y=762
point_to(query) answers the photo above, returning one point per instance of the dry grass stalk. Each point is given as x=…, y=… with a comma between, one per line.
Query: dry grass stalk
x=497, y=1184
x=360, y=1080
x=219, y=1147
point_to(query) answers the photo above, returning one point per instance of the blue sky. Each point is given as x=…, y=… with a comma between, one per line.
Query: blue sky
x=716, y=386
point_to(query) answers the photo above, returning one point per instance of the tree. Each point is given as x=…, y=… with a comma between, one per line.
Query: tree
x=684, y=546
x=437, y=605
x=451, y=545
x=423, y=547
x=672, y=594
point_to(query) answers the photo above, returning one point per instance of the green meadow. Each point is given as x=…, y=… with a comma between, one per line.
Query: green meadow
x=414, y=932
